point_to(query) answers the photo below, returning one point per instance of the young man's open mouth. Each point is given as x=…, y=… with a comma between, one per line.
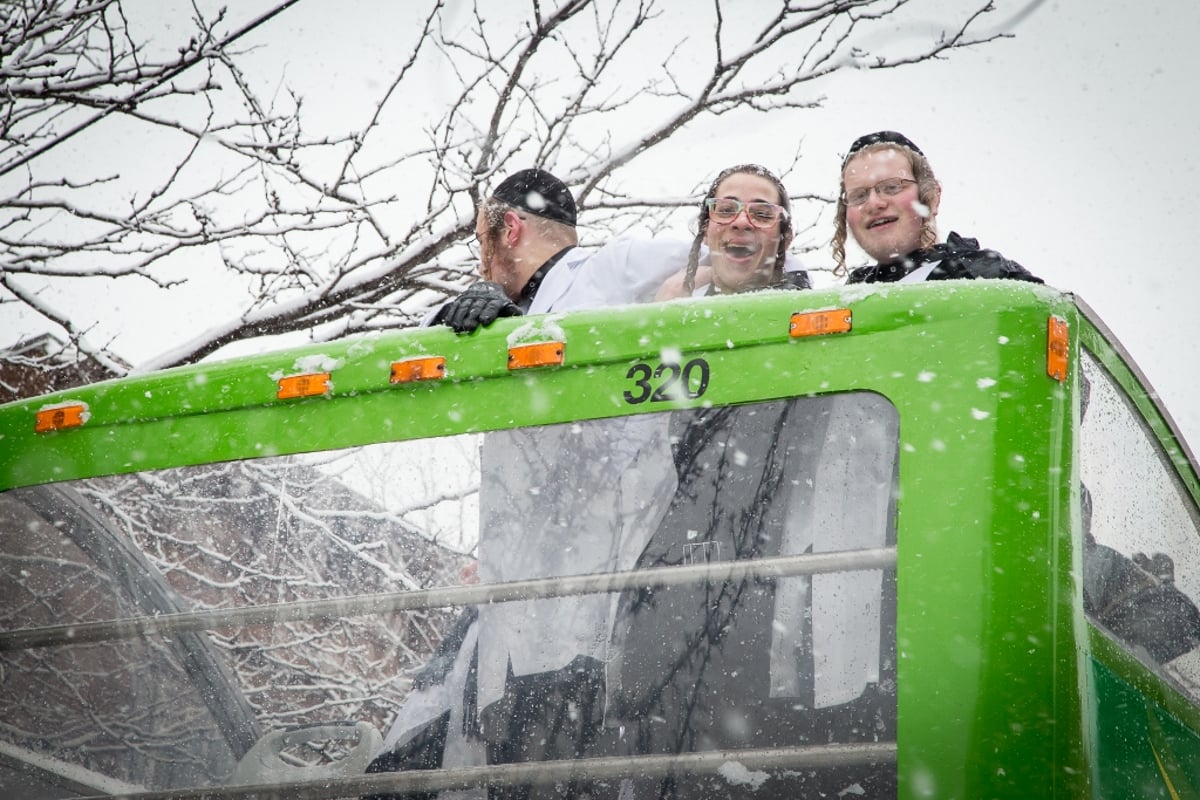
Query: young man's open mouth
x=741, y=251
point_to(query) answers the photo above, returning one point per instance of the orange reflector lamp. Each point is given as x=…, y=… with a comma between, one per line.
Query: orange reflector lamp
x=541, y=354
x=60, y=418
x=309, y=385
x=819, y=323
x=422, y=368
x=1057, y=348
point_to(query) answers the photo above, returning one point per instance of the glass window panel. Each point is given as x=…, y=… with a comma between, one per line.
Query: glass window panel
x=720, y=664
x=147, y=713
x=1142, y=552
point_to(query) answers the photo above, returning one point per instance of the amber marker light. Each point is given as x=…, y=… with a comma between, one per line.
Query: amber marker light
x=59, y=418
x=1058, y=341
x=819, y=323
x=309, y=385
x=541, y=354
x=422, y=368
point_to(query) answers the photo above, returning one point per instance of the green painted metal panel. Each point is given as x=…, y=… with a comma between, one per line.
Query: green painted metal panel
x=229, y=409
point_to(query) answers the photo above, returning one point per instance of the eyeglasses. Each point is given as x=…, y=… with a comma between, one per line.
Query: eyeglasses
x=889, y=188
x=760, y=214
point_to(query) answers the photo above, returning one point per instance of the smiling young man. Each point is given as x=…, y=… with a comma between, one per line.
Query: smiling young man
x=747, y=231
x=889, y=203
x=746, y=225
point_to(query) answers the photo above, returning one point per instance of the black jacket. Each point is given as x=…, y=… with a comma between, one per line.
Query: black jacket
x=792, y=279
x=959, y=257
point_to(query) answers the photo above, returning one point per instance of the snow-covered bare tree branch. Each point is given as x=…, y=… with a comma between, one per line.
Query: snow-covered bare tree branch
x=323, y=224
x=278, y=530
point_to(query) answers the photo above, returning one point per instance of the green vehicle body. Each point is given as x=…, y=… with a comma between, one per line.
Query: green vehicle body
x=1005, y=687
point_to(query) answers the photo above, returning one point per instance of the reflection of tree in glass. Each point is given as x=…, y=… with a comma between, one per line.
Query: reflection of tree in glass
x=277, y=530
x=696, y=668
x=156, y=713
x=433, y=486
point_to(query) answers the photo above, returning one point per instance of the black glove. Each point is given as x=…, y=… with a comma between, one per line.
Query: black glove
x=481, y=304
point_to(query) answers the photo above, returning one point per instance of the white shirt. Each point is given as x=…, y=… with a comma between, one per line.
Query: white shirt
x=620, y=272
x=571, y=499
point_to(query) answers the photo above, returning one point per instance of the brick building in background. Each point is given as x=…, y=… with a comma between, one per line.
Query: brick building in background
x=43, y=364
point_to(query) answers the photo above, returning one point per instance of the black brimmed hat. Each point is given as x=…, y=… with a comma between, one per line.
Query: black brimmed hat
x=539, y=193
x=880, y=137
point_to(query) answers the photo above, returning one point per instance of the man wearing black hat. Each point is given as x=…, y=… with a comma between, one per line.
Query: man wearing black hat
x=889, y=202
x=526, y=681
x=530, y=262
x=525, y=228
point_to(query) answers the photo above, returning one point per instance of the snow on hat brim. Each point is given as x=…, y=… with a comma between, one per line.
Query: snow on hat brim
x=539, y=193
x=881, y=137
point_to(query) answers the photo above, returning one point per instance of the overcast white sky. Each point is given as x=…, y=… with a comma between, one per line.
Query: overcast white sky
x=1070, y=148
